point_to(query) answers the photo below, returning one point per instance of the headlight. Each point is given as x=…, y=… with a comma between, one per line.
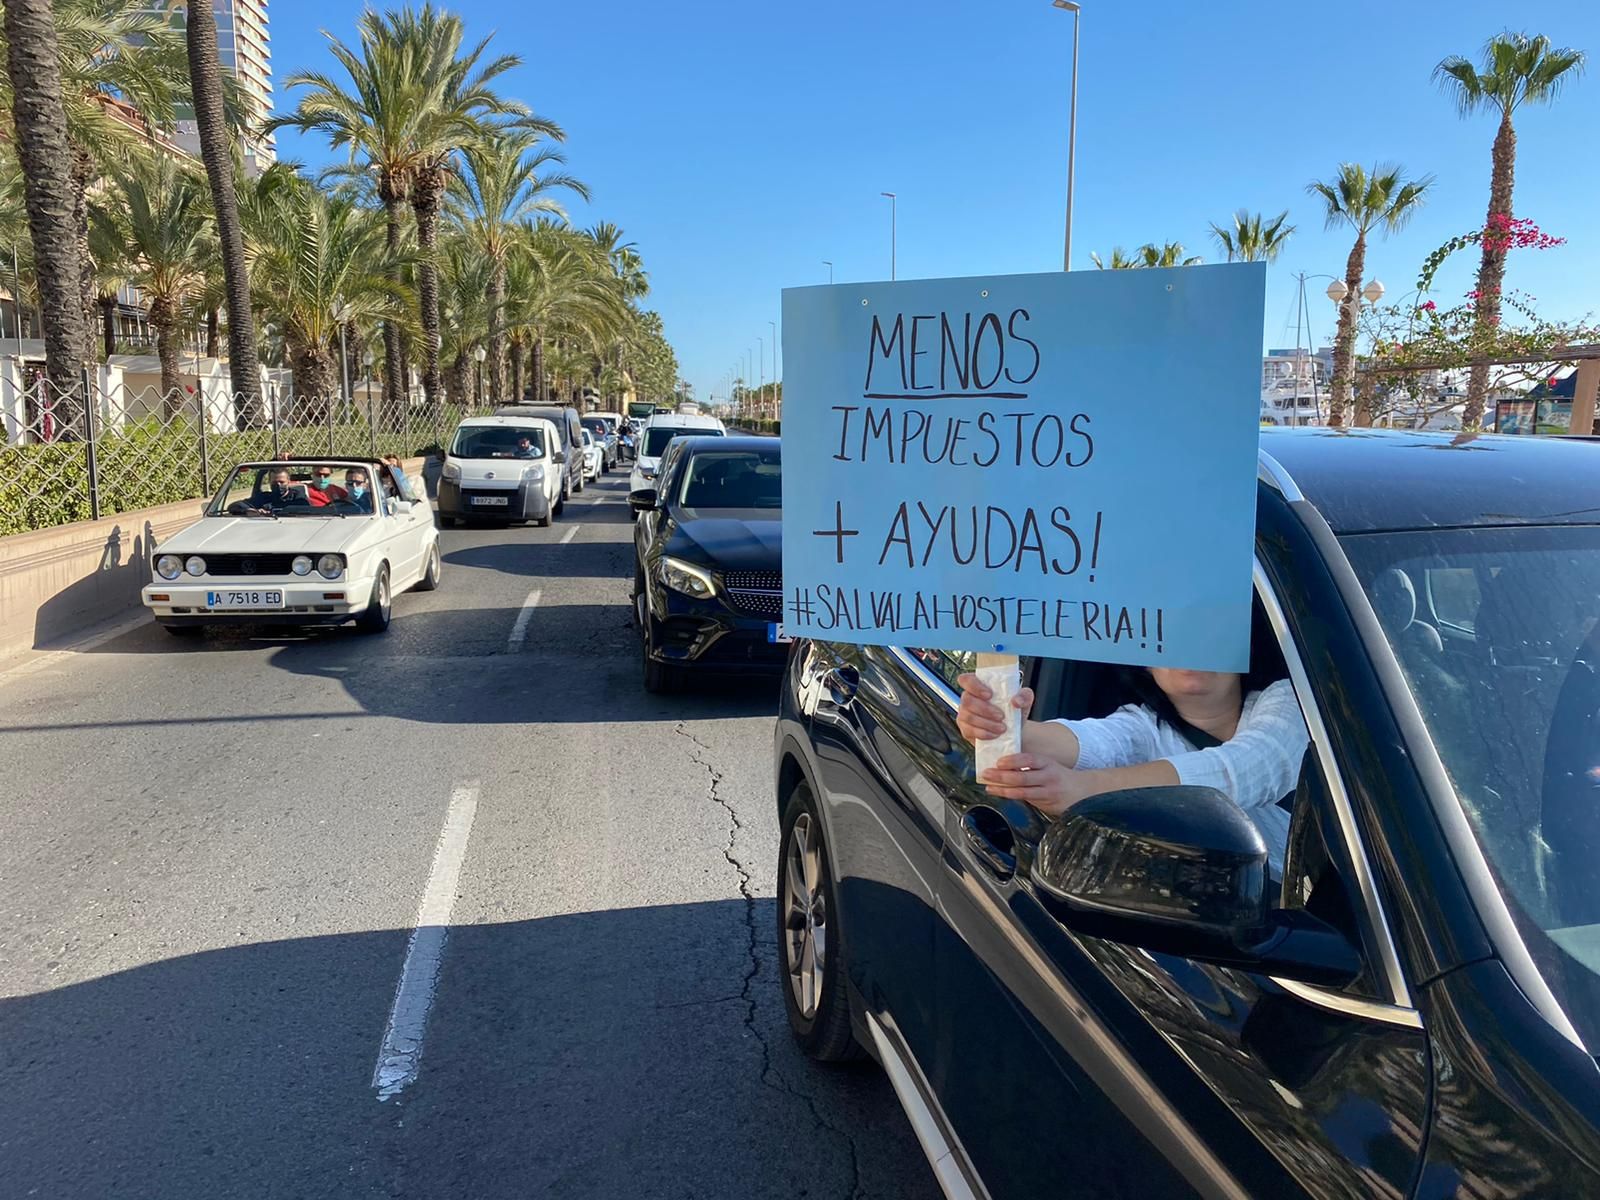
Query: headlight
x=686, y=578
x=330, y=566
x=647, y=472
x=533, y=474
x=196, y=565
x=301, y=564
x=451, y=470
x=169, y=566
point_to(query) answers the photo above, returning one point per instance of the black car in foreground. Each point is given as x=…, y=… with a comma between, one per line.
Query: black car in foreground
x=708, y=585
x=1133, y=1000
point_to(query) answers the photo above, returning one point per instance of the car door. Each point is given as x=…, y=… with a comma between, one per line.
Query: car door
x=884, y=743
x=1139, y=1074
x=415, y=518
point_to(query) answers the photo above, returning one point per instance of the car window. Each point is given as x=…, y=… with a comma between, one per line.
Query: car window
x=497, y=441
x=657, y=437
x=1511, y=702
x=732, y=479
x=948, y=665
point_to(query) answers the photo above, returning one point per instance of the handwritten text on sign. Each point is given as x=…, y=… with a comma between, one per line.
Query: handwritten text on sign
x=1039, y=464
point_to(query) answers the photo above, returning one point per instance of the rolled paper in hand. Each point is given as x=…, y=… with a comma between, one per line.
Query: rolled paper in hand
x=1004, y=682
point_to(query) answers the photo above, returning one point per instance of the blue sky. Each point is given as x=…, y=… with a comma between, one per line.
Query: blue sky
x=740, y=145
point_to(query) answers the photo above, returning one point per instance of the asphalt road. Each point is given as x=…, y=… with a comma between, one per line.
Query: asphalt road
x=215, y=853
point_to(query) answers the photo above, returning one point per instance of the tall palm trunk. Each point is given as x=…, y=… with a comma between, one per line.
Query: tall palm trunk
x=164, y=320
x=1344, y=347
x=538, y=370
x=216, y=151
x=34, y=64
x=426, y=195
x=516, y=372
x=315, y=380
x=497, y=334
x=82, y=178
x=393, y=196
x=1492, y=269
x=108, y=324
x=212, y=339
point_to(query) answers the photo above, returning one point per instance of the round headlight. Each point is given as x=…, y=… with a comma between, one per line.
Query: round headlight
x=330, y=566
x=301, y=564
x=169, y=566
x=451, y=470
x=196, y=565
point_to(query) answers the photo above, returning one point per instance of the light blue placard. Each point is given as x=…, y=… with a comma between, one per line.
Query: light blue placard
x=1109, y=418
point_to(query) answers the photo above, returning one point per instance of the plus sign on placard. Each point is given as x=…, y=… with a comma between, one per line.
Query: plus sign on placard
x=838, y=533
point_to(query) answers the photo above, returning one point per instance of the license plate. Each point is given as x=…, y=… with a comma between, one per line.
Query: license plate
x=776, y=635
x=244, y=599
x=502, y=501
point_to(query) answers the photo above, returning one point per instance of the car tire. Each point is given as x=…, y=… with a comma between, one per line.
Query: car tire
x=542, y=522
x=375, y=617
x=659, y=678
x=812, y=976
x=431, y=573
x=188, y=631
x=579, y=488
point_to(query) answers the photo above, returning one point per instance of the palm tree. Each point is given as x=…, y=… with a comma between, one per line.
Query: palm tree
x=216, y=151
x=1254, y=237
x=625, y=260
x=164, y=220
x=1382, y=199
x=1168, y=254
x=500, y=184
x=33, y=66
x=465, y=275
x=318, y=262
x=568, y=296
x=1517, y=69
x=112, y=268
x=1120, y=260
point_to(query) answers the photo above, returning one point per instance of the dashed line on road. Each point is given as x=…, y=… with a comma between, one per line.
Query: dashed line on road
x=400, y=1053
x=570, y=534
x=519, y=631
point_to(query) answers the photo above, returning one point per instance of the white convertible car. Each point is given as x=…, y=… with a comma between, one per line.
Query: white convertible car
x=298, y=542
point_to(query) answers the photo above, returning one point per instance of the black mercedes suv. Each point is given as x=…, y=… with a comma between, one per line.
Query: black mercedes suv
x=1132, y=1000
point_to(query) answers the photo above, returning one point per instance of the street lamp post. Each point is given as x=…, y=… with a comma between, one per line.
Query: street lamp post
x=773, y=325
x=761, y=371
x=1072, y=125
x=893, y=201
x=1344, y=299
x=480, y=354
x=829, y=265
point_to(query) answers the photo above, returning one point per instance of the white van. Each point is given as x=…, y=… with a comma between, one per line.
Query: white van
x=503, y=469
x=653, y=439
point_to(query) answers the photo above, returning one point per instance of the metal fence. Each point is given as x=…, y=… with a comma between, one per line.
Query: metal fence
x=133, y=447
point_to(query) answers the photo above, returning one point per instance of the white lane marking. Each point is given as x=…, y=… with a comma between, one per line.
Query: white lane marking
x=519, y=631
x=401, y=1052
x=570, y=534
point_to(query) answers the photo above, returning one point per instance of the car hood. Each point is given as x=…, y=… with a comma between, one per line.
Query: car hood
x=261, y=535
x=730, y=539
x=496, y=472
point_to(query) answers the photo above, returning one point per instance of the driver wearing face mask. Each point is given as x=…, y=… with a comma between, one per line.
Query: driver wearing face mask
x=358, y=489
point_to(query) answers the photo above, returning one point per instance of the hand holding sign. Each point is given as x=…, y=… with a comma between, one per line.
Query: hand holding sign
x=1055, y=464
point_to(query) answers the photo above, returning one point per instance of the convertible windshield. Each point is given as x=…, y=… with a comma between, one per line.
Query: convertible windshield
x=497, y=441
x=1496, y=632
x=733, y=479
x=657, y=437
x=295, y=490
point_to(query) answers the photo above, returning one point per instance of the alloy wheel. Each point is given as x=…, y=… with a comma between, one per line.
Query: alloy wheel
x=806, y=916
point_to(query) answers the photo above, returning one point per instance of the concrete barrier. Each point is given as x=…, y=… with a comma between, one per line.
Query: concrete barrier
x=56, y=582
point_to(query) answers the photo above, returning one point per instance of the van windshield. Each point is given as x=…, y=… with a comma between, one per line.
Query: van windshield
x=498, y=441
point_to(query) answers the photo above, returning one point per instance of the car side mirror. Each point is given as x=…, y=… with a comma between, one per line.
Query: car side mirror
x=559, y=457
x=642, y=501
x=1183, y=871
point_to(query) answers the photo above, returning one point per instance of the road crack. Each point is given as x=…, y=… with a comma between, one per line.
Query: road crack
x=770, y=1077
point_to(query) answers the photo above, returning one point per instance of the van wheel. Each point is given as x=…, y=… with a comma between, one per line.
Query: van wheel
x=813, y=982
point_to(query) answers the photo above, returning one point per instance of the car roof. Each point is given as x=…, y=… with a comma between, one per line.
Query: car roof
x=499, y=422
x=685, y=420
x=550, y=412
x=740, y=441
x=1368, y=480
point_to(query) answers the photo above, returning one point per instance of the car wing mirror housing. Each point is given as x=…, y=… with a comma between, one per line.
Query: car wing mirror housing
x=559, y=457
x=642, y=501
x=1182, y=871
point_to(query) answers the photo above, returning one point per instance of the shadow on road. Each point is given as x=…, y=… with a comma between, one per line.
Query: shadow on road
x=634, y=1052
x=586, y=560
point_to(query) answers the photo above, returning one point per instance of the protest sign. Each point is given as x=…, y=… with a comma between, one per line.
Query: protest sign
x=1059, y=465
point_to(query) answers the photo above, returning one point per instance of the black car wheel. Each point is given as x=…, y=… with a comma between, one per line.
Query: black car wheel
x=814, y=992
x=659, y=677
x=375, y=617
